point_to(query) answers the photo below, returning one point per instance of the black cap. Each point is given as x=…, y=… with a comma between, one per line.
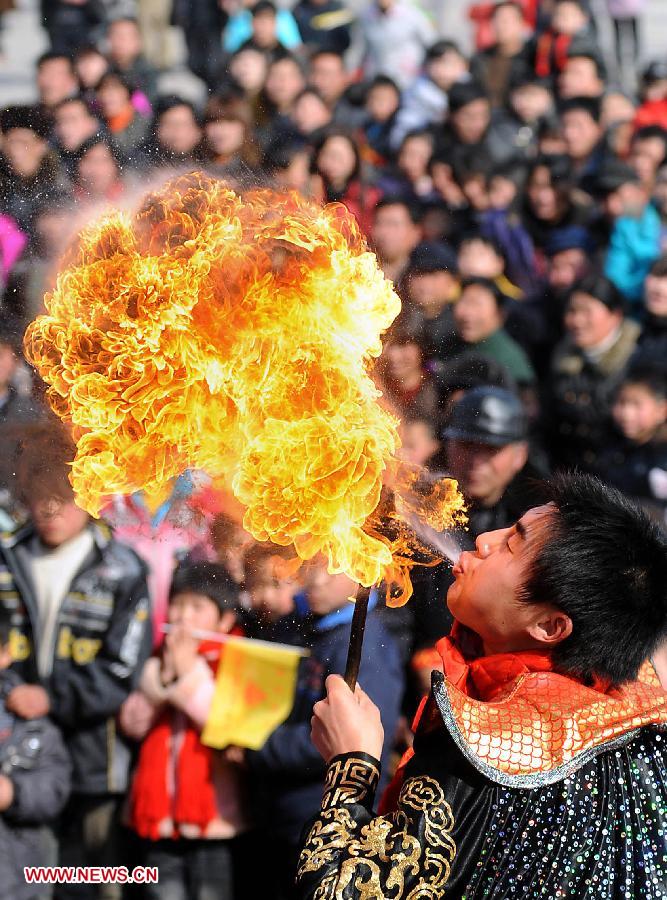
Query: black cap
x=612, y=175
x=488, y=415
x=655, y=71
x=432, y=256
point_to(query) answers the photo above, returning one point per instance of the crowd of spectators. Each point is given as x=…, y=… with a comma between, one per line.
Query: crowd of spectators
x=515, y=195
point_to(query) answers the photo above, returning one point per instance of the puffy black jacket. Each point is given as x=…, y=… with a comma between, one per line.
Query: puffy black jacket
x=102, y=639
x=34, y=758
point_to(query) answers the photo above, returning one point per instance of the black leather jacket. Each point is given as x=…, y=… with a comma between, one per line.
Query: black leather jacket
x=102, y=639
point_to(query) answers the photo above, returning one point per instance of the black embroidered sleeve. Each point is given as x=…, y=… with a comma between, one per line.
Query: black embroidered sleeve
x=349, y=853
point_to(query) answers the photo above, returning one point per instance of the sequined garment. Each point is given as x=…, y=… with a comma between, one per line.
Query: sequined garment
x=477, y=819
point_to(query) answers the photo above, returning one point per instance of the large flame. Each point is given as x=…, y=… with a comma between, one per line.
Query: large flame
x=232, y=335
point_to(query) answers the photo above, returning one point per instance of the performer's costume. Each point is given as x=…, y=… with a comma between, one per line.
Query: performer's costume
x=523, y=783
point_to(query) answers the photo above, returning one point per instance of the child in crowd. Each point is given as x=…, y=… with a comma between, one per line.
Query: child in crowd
x=186, y=800
x=286, y=773
x=34, y=782
x=271, y=590
x=637, y=462
x=80, y=635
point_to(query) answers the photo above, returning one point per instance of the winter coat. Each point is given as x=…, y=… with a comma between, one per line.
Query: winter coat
x=34, y=758
x=634, y=247
x=102, y=639
x=579, y=398
x=288, y=772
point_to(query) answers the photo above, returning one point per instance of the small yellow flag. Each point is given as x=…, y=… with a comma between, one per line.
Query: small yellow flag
x=254, y=693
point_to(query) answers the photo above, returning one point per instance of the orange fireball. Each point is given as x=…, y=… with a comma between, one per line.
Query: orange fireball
x=234, y=335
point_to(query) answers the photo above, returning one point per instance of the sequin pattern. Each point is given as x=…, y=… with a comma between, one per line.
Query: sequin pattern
x=598, y=834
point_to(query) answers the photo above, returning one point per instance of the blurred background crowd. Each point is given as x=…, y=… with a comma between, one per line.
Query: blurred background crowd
x=507, y=162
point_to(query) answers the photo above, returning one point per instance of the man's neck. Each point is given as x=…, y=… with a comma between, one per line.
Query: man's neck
x=394, y=268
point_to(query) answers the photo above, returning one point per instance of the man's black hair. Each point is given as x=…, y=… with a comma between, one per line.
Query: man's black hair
x=604, y=564
x=412, y=206
x=590, y=105
x=281, y=152
x=602, y=289
x=383, y=81
x=54, y=54
x=650, y=132
x=263, y=6
x=659, y=267
x=324, y=51
x=649, y=374
x=435, y=51
x=513, y=170
x=5, y=626
x=576, y=52
x=209, y=579
x=514, y=4
x=120, y=77
x=171, y=101
x=486, y=283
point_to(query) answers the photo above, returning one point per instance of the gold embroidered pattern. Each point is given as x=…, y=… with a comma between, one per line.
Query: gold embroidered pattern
x=414, y=846
x=349, y=781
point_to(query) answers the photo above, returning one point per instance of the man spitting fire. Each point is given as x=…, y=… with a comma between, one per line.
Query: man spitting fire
x=539, y=756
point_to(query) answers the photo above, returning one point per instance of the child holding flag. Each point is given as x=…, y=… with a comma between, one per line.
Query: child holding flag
x=186, y=801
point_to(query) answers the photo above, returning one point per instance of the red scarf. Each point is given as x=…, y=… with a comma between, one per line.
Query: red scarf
x=551, y=53
x=482, y=677
x=190, y=763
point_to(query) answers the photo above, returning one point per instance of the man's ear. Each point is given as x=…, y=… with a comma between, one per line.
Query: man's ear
x=552, y=627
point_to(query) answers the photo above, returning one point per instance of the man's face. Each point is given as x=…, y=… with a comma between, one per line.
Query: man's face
x=580, y=78
x=655, y=295
x=55, y=81
x=57, y=519
x=471, y=121
x=508, y=26
x=432, y=291
x=646, y=157
x=639, y=412
x=326, y=593
x=531, y=102
x=477, y=259
x=418, y=442
x=568, y=18
x=394, y=234
x=482, y=471
x=566, y=268
x=178, y=131
x=264, y=29
x=404, y=362
x=74, y=125
x=476, y=314
x=487, y=583
x=382, y=102
x=581, y=133
x=24, y=150
x=589, y=322
x=124, y=41
x=284, y=83
x=328, y=75
x=271, y=594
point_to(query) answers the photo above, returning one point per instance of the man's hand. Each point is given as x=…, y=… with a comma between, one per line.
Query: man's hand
x=6, y=793
x=345, y=722
x=29, y=701
x=182, y=650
